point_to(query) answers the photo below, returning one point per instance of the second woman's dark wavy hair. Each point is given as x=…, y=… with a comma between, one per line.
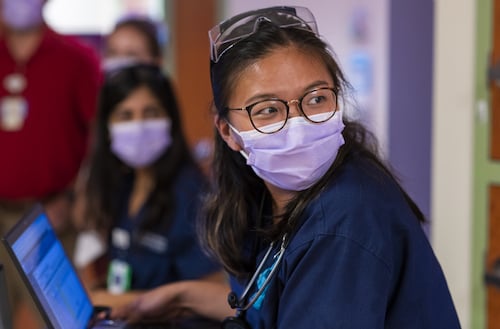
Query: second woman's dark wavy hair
x=107, y=173
x=232, y=207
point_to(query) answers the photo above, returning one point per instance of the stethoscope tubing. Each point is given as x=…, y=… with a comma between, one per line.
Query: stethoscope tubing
x=268, y=279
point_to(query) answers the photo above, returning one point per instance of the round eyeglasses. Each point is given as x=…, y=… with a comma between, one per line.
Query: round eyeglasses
x=270, y=115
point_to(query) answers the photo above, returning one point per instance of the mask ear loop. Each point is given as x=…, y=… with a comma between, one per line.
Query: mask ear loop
x=245, y=155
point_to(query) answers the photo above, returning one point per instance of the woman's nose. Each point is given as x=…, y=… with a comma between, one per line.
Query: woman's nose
x=294, y=108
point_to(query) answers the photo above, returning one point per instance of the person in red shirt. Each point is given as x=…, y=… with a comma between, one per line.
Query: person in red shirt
x=48, y=92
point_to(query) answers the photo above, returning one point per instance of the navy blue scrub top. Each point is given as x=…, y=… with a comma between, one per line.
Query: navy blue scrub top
x=171, y=254
x=358, y=260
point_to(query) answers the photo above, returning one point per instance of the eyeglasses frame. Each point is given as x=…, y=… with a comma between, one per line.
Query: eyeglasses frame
x=287, y=104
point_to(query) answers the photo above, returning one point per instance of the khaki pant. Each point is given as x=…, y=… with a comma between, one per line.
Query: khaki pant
x=18, y=293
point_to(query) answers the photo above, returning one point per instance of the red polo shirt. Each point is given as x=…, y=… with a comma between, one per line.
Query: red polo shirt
x=44, y=155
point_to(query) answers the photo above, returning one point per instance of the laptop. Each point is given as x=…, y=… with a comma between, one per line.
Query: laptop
x=5, y=314
x=54, y=283
x=50, y=276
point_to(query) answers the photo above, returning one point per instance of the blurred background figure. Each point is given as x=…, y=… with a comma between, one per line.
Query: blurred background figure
x=142, y=191
x=135, y=38
x=48, y=90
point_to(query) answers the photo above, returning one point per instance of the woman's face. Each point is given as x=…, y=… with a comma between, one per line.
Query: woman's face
x=286, y=73
x=127, y=42
x=141, y=104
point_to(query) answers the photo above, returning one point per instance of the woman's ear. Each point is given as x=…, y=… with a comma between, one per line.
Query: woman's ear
x=226, y=133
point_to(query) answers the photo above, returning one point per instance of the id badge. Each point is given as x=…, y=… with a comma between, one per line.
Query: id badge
x=13, y=111
x=119, y=277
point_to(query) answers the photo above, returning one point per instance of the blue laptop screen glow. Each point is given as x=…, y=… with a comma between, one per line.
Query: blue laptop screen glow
x=52, y=276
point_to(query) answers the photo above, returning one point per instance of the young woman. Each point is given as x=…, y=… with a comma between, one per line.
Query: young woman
x=313, y=227
x=143, y=190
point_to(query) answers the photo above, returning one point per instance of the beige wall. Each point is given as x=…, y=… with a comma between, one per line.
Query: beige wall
x=452, y=164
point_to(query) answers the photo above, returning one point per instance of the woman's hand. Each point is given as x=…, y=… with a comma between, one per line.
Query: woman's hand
x=154, y=305
x=202, y=298
x=102, y=297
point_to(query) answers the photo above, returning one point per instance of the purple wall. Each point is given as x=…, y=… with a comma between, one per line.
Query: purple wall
x=410, y=96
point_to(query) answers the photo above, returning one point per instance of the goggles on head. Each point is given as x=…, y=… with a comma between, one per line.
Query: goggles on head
x=229, y=32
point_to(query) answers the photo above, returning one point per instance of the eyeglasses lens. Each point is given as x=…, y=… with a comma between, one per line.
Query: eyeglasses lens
x=317, y=106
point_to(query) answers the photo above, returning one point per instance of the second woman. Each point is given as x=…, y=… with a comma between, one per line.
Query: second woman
x=142, y=189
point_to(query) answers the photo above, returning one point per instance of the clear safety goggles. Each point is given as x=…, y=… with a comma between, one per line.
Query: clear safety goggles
x=229, y=32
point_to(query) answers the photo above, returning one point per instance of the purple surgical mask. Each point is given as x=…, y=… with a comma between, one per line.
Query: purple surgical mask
x=298, y=155
x=111, y=64
x=21, y=15
x=140, y=143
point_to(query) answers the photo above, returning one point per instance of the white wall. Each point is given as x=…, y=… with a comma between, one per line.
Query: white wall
x=96, y=16
x=453, y=138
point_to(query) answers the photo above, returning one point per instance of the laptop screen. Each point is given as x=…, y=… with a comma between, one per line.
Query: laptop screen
x=52, y=278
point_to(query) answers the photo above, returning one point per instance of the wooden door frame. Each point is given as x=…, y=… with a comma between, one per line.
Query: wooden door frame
x=192, y=20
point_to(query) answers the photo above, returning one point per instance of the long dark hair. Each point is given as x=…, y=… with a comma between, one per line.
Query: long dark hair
x=107, y=174
x=231, y=208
